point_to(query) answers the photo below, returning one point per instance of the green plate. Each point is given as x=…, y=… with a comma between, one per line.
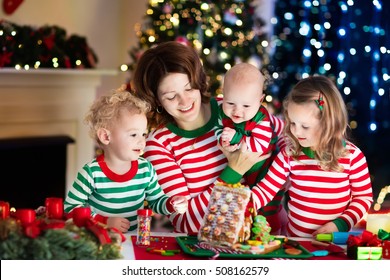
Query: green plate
x=189, y=246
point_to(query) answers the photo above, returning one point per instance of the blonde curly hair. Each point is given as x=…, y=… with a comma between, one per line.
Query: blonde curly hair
x=106, y=109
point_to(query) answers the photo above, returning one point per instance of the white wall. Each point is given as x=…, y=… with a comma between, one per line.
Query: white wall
x=108, y=26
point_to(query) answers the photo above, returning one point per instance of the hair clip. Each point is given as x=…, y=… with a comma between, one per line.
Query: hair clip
x=320, y=101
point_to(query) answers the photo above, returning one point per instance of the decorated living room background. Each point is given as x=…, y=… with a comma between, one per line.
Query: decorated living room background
x=287, y=40
x=345, y=40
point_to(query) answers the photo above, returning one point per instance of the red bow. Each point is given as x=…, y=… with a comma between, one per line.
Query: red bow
x=100, y=230
x=34, y=229
x=367, y=239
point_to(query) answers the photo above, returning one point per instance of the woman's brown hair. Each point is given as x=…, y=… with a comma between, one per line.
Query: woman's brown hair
x=155, y=64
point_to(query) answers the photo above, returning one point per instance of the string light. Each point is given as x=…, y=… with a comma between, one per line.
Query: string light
x=223, y=32
x=381, y=198
x=374, y=47
x=29, y=47
x=334, y=37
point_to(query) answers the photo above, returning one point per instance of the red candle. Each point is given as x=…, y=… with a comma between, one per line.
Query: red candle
x=4, y=209
x=26, y=216
x=54, y=207
x=81, y=215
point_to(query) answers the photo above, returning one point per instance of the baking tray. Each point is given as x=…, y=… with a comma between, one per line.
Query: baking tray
x=189, y=246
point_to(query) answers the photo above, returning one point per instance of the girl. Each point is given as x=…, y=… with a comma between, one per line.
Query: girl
x=330, y=187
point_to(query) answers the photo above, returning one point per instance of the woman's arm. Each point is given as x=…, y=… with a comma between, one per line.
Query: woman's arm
x=173, y=182
x=241, y=160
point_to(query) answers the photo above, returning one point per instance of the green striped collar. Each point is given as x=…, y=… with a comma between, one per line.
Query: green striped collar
x=309, y=152
x=201, y=130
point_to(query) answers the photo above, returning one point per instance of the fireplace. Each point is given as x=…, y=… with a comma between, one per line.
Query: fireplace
x=48, y=105
x=33, y=168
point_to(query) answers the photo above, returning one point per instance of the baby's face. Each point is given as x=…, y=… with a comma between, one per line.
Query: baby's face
x=241, y=102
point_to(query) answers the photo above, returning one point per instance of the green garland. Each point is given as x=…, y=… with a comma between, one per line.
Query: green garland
x=47, y=46
x=68, y=243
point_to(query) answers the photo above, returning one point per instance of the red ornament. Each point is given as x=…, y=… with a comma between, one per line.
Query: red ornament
x=49, y=41
x=5, y=58
x=9, y=6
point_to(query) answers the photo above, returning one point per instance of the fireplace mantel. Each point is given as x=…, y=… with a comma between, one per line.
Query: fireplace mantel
x=48, y=102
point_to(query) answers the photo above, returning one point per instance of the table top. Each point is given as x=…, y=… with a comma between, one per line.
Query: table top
x=166, y=240
x=128, y=247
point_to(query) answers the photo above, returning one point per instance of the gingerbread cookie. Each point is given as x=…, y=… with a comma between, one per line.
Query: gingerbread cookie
x=293, y=251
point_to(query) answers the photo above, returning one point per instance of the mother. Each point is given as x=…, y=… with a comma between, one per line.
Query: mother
x=182, y=145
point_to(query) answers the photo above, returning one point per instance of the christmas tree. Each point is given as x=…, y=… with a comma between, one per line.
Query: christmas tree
x=223, y=32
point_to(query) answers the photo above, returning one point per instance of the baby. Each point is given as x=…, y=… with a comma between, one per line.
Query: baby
x=243, y=119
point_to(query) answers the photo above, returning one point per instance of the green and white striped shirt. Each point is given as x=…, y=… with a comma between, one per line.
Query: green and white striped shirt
x=112, y=195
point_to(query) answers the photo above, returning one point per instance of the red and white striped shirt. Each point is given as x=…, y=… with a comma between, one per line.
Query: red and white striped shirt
x=317, y=196
x=257, y=133
x=188, y=163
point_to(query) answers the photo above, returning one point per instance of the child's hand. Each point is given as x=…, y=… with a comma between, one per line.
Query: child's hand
x=227, y=134
x=119, y=223
x=229, y=148
x=327, y=228
x=180, y=204
x=226, y=138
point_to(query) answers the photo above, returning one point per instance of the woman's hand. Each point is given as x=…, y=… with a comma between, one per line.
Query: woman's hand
x=242, y=160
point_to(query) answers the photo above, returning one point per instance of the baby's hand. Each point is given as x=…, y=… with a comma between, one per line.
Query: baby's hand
x=180, y=204
x=227, y=134
x=119, y=223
